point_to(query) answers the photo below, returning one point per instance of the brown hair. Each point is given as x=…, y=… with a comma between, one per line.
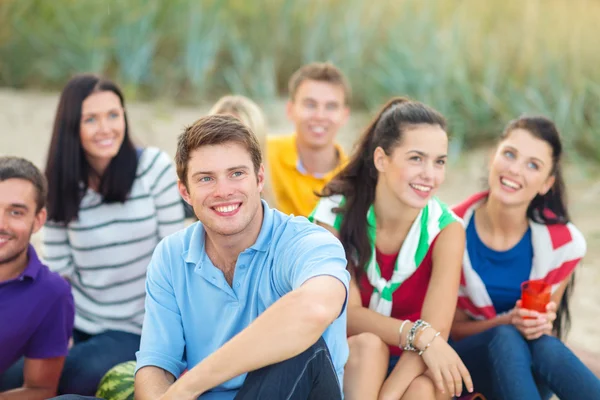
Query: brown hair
x=358, y=180
x=550, y=208
x=20, y=168
x=215, y=130
x=322, y=72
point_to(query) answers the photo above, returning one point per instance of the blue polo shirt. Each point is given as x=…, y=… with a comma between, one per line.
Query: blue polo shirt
x=36, y=314
x=191, y=310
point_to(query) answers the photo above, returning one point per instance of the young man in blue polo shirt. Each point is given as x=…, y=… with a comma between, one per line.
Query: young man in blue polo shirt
x=249, y=300
x=36, y=305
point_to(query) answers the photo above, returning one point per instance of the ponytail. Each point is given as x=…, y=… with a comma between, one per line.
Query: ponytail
x=358, y=180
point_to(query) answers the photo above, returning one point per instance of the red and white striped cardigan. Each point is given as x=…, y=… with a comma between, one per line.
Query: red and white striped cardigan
x=557, y=249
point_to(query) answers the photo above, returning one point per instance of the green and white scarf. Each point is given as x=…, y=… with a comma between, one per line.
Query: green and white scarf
x=428, y=224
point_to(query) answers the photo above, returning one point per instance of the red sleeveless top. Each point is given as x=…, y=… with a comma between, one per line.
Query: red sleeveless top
x=408, y=300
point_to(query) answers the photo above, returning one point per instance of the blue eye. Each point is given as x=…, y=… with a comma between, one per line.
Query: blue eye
x=89, y=120
x=113, y=115
x=17, y=213
x=533, y=165
x=237, y=174
x=332, y=107
x=509, y=154
x=205, y=179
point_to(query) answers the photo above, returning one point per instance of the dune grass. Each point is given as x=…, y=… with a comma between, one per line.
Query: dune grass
x=481, y=63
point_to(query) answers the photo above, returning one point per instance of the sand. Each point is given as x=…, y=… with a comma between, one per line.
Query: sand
x=26, y=120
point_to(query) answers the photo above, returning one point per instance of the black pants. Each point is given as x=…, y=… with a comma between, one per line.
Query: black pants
x=308, y=376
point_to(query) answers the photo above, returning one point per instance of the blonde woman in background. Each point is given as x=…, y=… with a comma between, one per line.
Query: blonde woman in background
x=250, y=114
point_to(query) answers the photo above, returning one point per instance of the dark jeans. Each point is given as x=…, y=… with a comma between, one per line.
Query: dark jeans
x=308, y=376
x=504, y=365
x=89, y=359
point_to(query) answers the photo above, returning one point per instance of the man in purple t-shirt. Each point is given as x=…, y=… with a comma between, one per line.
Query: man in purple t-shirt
x=36, y=305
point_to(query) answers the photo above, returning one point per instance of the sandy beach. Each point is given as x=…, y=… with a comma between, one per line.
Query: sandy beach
x=26, y=120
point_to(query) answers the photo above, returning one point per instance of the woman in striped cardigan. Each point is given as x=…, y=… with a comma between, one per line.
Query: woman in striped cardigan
x=109, y=204
x=517, y=231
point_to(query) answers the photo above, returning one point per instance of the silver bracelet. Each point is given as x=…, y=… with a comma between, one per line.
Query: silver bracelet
x=400, y=332
x=429, y=344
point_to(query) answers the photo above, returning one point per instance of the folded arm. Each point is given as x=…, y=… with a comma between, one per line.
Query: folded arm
x=284, y=330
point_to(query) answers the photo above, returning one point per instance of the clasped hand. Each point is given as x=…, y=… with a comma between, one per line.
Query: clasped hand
x=533, y=324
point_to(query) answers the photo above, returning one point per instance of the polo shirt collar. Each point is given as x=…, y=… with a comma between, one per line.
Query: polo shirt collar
x=196, y=244
x=196, y=251
x=292, y=160
x=264, y=236
x=33, y=265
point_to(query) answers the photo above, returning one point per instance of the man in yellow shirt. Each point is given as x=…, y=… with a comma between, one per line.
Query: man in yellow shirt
x=302, y=163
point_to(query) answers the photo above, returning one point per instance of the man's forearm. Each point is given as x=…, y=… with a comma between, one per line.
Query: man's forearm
x=284, y=330
x=28, y=394
x=152, y=382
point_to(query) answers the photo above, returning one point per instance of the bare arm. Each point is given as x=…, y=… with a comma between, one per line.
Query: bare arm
x=463, y=326
x=284, y=330
x=40, y=379
x=152, y=383
x=439, y=306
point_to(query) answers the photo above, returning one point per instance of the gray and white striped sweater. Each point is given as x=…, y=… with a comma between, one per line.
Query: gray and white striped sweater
x=106, y=251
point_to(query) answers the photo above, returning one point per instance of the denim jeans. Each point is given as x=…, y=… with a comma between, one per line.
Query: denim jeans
x=504, y=365
x=308, y=376
x=88, y=360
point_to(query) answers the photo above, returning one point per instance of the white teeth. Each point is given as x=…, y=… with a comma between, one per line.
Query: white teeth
x=106, y=142
x=227, y=209
x=318, y=129
x=510, y=183
x=3, y=240
x=421, y=187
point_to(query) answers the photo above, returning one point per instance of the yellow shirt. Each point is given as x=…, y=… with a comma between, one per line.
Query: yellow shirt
x=294, y=190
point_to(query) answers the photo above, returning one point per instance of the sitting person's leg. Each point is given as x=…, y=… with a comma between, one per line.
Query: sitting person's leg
x=309, y=375
x=366, y=367
x=473, y=351
x=560, y=370
x=90, y=360
x=511, y=365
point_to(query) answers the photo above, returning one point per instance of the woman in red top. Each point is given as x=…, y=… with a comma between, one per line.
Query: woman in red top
x=405, y=248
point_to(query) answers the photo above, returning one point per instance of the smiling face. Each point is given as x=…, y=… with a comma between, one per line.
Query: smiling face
x=521, y=169
x=19, y=218
x=416, y=167
x=318, y=110
x=102, y=128
x=224, y=189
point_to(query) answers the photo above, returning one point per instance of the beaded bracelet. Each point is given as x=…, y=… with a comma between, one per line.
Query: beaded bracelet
x=411, y=335
x=429, y=344
x=419, y=334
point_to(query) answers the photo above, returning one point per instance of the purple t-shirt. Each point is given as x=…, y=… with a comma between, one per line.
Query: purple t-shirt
x=36, y=314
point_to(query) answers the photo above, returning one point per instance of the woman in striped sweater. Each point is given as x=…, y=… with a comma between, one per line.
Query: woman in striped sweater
x=517, y=231
x=109, y=204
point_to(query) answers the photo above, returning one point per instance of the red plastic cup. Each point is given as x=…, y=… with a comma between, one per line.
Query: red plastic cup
x=535, y=295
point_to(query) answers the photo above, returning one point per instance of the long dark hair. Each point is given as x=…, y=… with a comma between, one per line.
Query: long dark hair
x=550, y=208
x=357, y=181
x=67, y=168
